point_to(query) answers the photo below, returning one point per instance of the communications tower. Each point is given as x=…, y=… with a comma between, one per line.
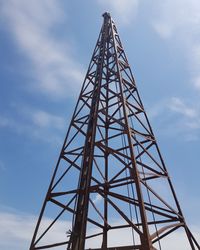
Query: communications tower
x=110, y=188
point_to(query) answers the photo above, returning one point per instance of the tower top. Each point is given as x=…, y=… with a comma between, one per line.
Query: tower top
x=106, y=15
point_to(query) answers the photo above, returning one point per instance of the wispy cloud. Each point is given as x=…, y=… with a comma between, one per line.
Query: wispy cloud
x=178, y=22
x=37, y=124
x=178, y=105
x=44, y=120
x=15, y=231
x=182, y=117
x=17, y=228
x=98, y=198
x=125, y=11
x=188, y=121
x=190, y=115
x=32, y=24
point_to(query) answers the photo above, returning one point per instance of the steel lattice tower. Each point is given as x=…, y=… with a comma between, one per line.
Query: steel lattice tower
x=110, y=188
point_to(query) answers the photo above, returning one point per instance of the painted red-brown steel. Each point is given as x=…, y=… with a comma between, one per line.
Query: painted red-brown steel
x=110, y=108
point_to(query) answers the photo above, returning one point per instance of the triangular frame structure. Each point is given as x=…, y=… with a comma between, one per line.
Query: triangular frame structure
x=110, y=177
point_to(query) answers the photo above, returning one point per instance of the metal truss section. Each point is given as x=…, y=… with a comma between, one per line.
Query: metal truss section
x=110, y=188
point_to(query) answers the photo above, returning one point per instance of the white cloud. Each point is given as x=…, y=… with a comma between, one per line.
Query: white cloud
x=37, y=124
x=17, y=229
x=125, y=11
x=32, y=24
x=181, y=118
x=178, y=240
x=177, y=18
x=178, y=21
x=197, y=82
x=157, y=109
x=44, y=119
x=190, y=116
x=177, y=105
x=98, y=198
x=163, y=29
x=188, y=123
x=183, y=19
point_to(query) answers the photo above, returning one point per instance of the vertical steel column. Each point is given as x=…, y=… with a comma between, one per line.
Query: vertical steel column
x=145, y=238
x=79, y=229
x=106, y=186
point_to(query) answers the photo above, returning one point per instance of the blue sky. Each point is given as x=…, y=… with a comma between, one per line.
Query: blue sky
x=45, y=48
